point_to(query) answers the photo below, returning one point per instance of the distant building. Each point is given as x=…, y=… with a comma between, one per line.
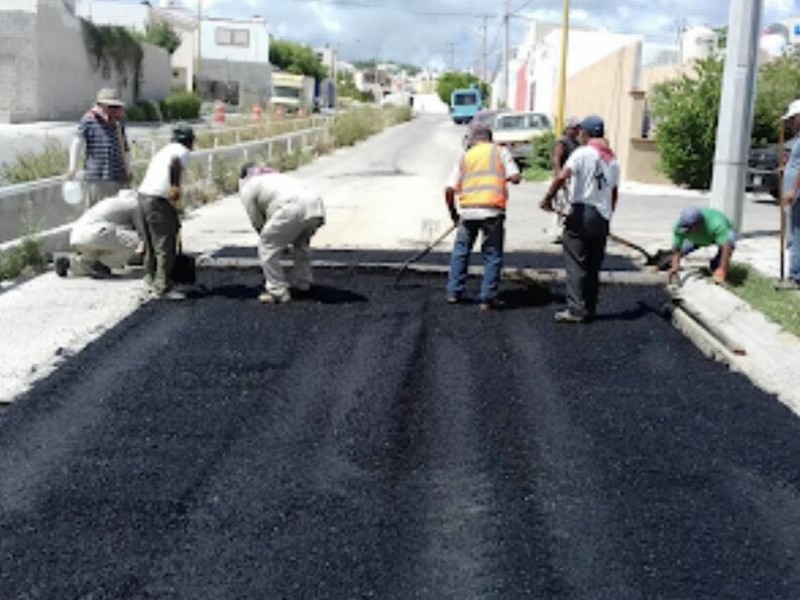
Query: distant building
x=326, y=93
x=232, y=55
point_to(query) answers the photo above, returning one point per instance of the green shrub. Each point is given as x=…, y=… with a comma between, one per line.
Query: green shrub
x=152, y=110
x=542, y=151
x=353, y=126
x=135, y=114
x=28, y=255
x=51, y=161
x=181, y=105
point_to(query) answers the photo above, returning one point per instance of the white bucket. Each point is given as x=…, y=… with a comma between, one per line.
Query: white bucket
x=71, y=192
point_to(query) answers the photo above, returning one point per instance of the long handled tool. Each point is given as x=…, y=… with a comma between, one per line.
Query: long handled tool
x=781, y=163
x=427, y=249
x=659, y=259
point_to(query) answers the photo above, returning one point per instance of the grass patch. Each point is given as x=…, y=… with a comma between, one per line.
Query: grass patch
x=25, y=257
x=782, y=307
x=537, y=173
x=51, y=161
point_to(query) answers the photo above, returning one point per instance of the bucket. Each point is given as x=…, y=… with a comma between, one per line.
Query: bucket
x=71, y=192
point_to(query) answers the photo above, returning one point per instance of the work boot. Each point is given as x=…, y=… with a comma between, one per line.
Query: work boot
x=173, y=295
x=453, y=299
x=268, y=298
x=567, y=316
x=493, y=304
x=62, y=266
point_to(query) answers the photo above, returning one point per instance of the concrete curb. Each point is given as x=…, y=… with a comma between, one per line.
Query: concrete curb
x=206, y=261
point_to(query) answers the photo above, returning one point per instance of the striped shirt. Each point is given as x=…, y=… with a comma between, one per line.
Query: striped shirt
x=104, y=160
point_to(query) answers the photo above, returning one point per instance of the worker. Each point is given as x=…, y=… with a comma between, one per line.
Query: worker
x=284, y=212
x=159, y=195
x=480, y=181
x=101, y=133
x=698, y=228
x=562, y=149
x=593, y=175
x=103, y=238
x=790, y=193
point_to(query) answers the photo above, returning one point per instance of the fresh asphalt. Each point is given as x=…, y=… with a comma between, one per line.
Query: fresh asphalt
x=372, y=442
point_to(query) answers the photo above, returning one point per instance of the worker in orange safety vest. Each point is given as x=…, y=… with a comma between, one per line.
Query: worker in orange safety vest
x=480, y=182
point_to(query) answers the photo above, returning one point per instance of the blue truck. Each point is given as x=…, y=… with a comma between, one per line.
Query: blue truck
x=465, y=104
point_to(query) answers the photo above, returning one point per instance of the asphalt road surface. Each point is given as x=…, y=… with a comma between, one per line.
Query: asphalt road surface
x=373, y=442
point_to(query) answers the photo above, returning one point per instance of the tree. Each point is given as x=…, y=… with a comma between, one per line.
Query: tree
x=297, y=59
x=161, y=34
x=346, y=88
x=456, y=81
x=778, y=85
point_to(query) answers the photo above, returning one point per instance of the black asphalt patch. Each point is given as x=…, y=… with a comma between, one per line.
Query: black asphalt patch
x=374, y=442
x=518, y=260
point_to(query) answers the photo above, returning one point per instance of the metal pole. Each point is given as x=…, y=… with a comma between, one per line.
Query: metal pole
x=198, y=58
x=736, y=109
x=781, y=162
x=506, y=53
x=562, y=73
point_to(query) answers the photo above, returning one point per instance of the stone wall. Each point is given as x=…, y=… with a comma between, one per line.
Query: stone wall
x=46, y=72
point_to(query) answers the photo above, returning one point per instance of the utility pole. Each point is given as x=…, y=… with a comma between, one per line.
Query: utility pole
x=484, y=33
x=450, y=50
x=736, y=108
x=199, y=58
x=562, y=74
x=506, y=53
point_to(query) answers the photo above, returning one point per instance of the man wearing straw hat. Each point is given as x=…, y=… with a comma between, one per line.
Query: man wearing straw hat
x=791, y=191
x=102, y=135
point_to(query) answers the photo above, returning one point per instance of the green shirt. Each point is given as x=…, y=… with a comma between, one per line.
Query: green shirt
x=716, y=230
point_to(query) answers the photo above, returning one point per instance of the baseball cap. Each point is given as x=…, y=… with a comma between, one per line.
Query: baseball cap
x=594, y=126
x=481, y=134
x=182, y=133
x=108, y=97
x=794, y=109
x=690, y=216
x=572, y=122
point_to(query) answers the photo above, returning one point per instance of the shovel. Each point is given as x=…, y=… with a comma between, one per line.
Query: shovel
x=427, y=249
x=659, y=259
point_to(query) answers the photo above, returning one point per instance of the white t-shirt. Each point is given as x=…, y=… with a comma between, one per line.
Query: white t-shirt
x=592, y=179
x=156, y=180
x=477, y=214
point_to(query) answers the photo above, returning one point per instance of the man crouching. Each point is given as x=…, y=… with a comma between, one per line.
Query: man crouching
x=284, y=212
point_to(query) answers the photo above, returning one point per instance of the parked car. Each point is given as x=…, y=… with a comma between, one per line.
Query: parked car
x=484, y=118
x=516, y=131
x=763, y=169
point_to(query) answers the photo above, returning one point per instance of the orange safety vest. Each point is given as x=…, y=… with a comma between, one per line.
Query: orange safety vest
x=483, y=178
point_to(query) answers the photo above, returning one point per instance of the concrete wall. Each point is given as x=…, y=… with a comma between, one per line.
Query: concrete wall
x=254, y=79
x=605, y=89
x=100, y=12
x=41, y=80
x=257, y=50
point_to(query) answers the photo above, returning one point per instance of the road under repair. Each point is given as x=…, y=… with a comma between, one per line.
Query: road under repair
x=373, y=442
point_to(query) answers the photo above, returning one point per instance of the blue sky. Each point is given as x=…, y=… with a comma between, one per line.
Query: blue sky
x=438, y=32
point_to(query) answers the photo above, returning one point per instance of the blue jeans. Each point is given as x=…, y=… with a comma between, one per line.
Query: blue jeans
x=493, y=233
x=688, y=247
x=794, y=248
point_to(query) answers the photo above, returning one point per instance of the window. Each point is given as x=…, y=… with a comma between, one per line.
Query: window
x=465, y=100
x=225, y=36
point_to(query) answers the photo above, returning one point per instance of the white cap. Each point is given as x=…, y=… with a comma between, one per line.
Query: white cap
x=794, y=109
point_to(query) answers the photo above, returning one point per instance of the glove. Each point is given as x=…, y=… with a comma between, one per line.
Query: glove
x=174, y=194
x=454, y=215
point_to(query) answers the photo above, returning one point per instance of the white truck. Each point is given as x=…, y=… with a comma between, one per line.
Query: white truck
x=516, y=131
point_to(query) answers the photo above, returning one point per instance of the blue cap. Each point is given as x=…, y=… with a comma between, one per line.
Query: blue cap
x=690, y=216
x=594, y=126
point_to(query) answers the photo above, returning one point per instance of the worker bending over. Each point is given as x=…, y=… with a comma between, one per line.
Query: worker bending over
x=701, y=227
x=104, y=238
x=480, y=181
x=284, y=212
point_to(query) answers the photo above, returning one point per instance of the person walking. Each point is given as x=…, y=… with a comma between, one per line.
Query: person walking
x=593, y=174
x=790, y=193
x=697, y=228
x=104, y=238
x=480, y=183
x=159, y=194
x=101, y=133
x=562, y=150
x=284, y=212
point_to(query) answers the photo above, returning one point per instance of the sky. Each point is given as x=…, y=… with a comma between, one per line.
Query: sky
x=448, y=33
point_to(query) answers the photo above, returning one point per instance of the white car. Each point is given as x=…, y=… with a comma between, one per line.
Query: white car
x=516, y=130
